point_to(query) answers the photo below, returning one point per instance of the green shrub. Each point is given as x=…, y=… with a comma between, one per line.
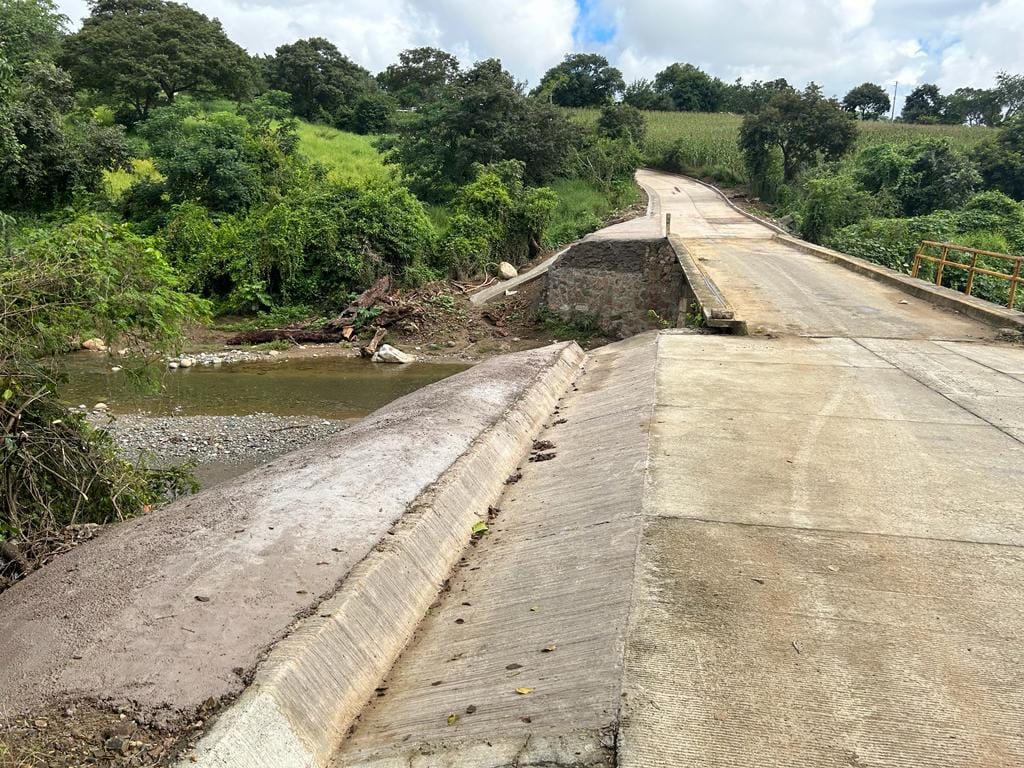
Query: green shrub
x=86, y=277
x=829, y=203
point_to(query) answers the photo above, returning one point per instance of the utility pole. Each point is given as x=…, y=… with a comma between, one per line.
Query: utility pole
x=895, y=90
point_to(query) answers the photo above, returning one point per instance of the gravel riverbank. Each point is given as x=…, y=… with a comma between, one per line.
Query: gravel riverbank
x=214, y=439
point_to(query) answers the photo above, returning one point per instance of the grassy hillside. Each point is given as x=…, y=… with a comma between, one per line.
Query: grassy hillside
x=349, y=156
x=708, y=140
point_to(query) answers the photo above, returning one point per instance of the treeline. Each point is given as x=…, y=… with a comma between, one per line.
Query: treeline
x=588, y=80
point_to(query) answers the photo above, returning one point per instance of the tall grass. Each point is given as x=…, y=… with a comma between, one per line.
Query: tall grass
x=348, y=156
x=116, y=182
x=583, y=207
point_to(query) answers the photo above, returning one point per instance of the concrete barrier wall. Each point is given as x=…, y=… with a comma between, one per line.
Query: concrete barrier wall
x=618, y=283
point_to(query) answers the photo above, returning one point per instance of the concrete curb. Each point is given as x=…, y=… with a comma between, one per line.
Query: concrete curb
x=978, y=309
x=315, y=681
x=717, y=311
x=947, y=298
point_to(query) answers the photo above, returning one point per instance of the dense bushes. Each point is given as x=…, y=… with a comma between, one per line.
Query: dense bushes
x=85, y=276
x=990, y=221
x=496, y=218
x=315, y=245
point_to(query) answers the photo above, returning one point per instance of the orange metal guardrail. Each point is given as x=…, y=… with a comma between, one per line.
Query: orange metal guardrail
x=1014, y=276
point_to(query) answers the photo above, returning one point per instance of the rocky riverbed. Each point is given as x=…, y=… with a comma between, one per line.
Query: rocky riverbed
x=239, y=440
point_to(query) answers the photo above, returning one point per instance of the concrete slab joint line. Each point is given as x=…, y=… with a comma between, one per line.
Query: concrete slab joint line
x=315, y=681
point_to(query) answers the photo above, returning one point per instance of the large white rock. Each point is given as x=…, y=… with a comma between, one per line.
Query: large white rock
x=388, y=354
x=186, y=362
x=506, y=271
x=94, y=345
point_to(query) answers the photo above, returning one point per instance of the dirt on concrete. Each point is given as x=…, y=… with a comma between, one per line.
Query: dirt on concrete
x=166, y=616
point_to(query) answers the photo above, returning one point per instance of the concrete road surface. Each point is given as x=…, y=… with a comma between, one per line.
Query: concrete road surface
x=796, y=549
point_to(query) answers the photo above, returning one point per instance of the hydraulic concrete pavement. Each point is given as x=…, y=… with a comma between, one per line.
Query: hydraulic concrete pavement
x=796, y=549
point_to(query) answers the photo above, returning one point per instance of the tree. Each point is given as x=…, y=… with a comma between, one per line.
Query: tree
x=1001, y=161
x=324, y=83
x=83, y=277
x=372, y=113
x=868, y=101
x=58, y=152
x=642, y=95
x=142, y=52
x=689, y=89
x=480, y=119
x=224, y=161
x=30, y=30
x=937, y=178
x=925, y=104
x=419, y=75
x=581, y=80
x=1010, y=90
x=803, y=127
x=974, y=106
x=738, y=97
x=622, y=121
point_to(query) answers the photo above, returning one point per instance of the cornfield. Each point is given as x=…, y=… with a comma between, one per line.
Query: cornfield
x=705, y=143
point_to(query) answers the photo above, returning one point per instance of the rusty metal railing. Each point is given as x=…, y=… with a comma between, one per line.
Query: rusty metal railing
x=1014, y=276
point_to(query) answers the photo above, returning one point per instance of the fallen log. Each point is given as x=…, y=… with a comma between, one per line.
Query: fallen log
x=296, y=335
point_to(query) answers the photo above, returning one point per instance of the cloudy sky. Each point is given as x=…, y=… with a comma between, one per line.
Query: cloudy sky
x=838, y=43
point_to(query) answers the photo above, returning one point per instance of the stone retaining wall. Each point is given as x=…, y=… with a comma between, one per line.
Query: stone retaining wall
x=618, y=283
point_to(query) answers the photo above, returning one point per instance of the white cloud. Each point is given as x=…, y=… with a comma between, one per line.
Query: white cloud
x=527, y=35
x=837, y=43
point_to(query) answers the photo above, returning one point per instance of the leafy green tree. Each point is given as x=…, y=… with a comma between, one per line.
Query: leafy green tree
x=57, y=152
x=921, y=177
x=868, y=101
x=419, y=75
x=1010, y=90
x=324, y=84
x=30, y=30
x=974, y=106
x=372, y=113
x=480, y=119
x=1001, y=161
x=753, y=97
x=496, y=218
x=925, y=104
x=803, y=127
x=642, y=95
x=581, y=80
x=830, y=202
x=622, y=121
x=221, y=160
x=141, y=53
x=314, y=245
x=689, y=89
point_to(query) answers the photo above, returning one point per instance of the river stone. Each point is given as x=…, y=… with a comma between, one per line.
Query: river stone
x=186, y=362
x=173, y=364
x=94, y=345
x=101, y=407
x=388, y=354
x=506, y=271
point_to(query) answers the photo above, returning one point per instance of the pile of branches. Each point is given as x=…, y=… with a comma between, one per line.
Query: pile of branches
x=379, y=307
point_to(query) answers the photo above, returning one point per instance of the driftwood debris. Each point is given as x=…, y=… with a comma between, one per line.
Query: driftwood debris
x=368, y=298
x=390, y=308
x=297, y=335
x=370, y=349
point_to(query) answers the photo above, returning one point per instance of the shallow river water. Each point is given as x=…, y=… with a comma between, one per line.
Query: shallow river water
x=329, y=387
